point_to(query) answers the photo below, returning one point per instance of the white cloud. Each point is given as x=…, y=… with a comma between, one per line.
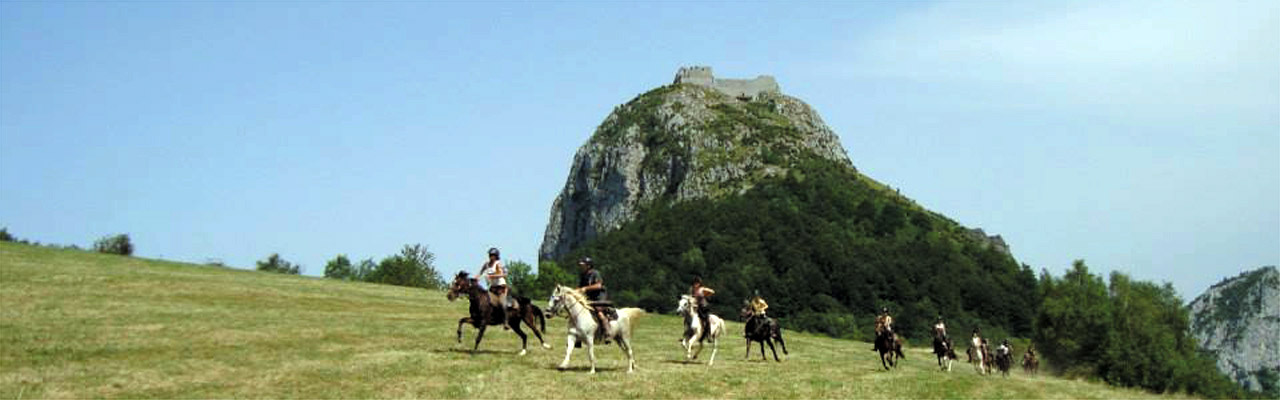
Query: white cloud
x=1188, y=55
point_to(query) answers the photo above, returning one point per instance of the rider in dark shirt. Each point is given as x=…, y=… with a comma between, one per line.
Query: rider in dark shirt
x=592, y=285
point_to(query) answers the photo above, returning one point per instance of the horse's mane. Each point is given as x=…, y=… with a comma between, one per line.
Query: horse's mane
x=573, y=294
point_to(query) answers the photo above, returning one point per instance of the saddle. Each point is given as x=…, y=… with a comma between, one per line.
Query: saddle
x=511, y=300
x=606, y=308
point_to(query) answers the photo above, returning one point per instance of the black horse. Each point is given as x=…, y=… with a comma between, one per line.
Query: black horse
x=890, y=347
x=483, y=313
x=764, y=330
x=1004, y=359
x=945, y=349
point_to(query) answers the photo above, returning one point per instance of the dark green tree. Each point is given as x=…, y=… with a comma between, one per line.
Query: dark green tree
x=1071, y=328
x=114, y=244
x=519, y=276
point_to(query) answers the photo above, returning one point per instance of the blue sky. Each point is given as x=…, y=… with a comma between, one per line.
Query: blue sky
x=1139, y=136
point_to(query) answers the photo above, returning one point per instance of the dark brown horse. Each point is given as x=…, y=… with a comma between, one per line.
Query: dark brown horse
x=484, y=314
x=762, y=329
x=890, y=347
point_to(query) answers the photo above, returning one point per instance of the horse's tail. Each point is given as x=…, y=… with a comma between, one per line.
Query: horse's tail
x=628, y=316
x=541, y=318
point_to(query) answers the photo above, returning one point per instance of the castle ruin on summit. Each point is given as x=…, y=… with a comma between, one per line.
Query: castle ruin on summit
x=747, y=88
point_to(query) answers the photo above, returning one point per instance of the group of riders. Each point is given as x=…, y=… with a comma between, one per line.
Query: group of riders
x=591, y=285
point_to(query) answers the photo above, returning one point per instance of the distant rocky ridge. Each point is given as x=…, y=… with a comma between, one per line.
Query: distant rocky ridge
x=1239, y=320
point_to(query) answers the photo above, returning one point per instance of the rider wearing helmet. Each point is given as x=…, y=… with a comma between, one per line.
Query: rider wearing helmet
x=497, y=280
x=592, y=285
x=700, y=294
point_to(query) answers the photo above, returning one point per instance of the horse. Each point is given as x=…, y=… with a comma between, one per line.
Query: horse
x=1004, y=359
x=945, y=350
x=1030, y=364
x=890, y=347
x=582, y=325
x=484, y=315
x=693, y=330
x=977, y=354
x=762, y=329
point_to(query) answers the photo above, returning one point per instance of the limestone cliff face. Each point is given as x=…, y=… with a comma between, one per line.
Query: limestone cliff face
x=1239, y=320
x=680, y=142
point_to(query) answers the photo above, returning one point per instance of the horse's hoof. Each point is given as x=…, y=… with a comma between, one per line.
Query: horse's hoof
x=522, y=352
x=562, y=367
x=546, y=346
x=593, y=372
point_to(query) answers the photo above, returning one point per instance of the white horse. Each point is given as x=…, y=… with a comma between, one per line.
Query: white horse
x=693, y=329
x=979, y=354
x=582, y=325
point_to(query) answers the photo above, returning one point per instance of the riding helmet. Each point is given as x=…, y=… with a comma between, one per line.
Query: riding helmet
x=493, y=251
x=586, y=260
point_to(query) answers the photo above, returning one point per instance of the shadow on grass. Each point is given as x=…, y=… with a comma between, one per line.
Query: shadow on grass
x=587, y=368
x=477, y=352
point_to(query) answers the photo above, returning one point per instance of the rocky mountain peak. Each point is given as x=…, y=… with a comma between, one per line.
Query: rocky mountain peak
x=1239, y=320
x=698, y=137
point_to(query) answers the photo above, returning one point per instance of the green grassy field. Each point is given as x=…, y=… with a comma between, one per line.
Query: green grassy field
x=80, y=325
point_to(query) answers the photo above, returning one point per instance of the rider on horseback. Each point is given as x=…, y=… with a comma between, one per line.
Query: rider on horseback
x=940, y=329
x=700, y=294
x=884, y=324
x=592, y=285
x=497, y=280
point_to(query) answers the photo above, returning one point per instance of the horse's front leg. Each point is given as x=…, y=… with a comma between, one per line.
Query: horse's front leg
x=762, y=356
x=479, y=336
x=570, y=341
x=775, y=352
x=591, y=353
x=460, y=322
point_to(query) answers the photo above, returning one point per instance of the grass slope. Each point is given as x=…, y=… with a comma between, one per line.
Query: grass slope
x=79, y=325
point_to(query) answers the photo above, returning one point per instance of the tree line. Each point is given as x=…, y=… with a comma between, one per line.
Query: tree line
x=118, y=244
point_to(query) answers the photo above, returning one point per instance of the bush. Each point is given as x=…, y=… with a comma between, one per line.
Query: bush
x=5, y=236
x=116, y=244
x=414, y=267
x=339, y=268
x=274, y=263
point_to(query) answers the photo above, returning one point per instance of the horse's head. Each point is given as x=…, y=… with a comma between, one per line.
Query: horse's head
x=747, y=311
x=556, y=302
x=461, y=283
x=684, y=305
